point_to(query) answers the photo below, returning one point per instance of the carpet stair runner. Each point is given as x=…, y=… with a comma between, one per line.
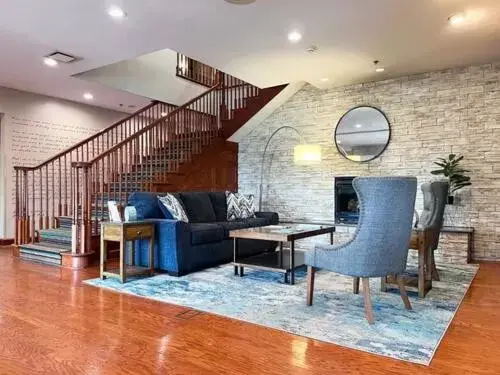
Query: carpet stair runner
x=52, y=243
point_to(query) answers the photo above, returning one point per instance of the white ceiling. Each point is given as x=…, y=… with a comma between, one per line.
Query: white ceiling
x=247, y=41
x=151, y=75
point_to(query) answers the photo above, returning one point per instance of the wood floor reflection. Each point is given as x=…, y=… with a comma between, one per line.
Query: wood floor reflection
x=51, y=323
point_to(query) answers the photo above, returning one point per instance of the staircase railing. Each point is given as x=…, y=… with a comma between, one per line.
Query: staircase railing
x=235, y=91
x=132, y=154
x=47, y=191
x=147, y=156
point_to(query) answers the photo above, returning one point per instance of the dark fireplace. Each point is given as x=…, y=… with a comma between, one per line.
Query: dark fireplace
x=346, y=201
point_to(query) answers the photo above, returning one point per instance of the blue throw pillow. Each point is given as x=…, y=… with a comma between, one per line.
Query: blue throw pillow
x=146, y=205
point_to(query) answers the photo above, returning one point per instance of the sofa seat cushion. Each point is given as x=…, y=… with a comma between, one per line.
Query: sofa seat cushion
x=202, y=233
x=232, y=225
x=199, y=207
x=257, y=222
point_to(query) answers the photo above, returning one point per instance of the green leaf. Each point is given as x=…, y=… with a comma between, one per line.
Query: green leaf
x=438, y=171
x=458, y=187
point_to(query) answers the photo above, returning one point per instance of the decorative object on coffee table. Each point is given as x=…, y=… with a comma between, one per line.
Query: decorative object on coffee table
x=123, y=232
x=380, y=244
x=279, y=261
x=362, y=134
x=453, y=171
x=303, y=154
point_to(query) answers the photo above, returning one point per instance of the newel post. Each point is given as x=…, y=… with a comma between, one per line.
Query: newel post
x=81, y=227
x=22, y=220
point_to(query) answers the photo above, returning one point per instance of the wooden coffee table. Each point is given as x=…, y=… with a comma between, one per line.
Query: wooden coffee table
x=280, y=261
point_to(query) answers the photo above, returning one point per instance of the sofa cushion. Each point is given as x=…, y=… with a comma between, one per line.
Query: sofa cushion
x=166, y=213
x=198, y=207
x=271, y=217
x=232, y=225
x=219, y=204
x=256, y=222
x=240, y=206
x=173, y=206
x=146, y=205
x=202, y=233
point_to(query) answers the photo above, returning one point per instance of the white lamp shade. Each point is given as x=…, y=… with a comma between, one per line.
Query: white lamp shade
x=307, y=154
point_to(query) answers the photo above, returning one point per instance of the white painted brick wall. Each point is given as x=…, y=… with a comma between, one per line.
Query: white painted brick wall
x=431, y=115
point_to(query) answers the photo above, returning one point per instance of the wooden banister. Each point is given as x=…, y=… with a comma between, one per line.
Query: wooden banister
x=146, y=147
x=93, y=136
x=153, y=124
x=47, y=190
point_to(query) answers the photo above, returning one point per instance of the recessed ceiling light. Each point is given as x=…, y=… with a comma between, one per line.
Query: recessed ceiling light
x=379, y=70
x=49, y=61
x=88, y=96
x=325, y=79
x=358, y=126
x=294, y=36
x=116, y=12
x=456, y=19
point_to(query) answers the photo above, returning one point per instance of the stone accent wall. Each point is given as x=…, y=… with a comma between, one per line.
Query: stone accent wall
x=431, y=115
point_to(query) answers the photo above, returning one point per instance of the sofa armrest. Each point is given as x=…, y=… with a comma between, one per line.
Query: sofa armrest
x=172, y=242
x=272, y=217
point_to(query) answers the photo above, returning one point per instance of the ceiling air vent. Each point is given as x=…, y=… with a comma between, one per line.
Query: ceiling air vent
x=62, y=57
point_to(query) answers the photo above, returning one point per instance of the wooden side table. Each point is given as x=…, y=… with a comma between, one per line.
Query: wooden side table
x=123, y=232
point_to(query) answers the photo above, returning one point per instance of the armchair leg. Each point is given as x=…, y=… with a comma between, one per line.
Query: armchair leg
x=355, y=285
x=368, y=300
x=402, y=290
x=310, y=284
x=434, y=271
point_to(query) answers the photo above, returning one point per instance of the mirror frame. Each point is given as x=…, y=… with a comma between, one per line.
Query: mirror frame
x=349, y=111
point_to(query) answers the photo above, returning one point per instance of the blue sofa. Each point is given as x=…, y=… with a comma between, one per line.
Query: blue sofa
x=181, y=248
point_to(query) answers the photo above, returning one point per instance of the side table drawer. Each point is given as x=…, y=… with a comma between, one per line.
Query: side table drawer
x=139, y=231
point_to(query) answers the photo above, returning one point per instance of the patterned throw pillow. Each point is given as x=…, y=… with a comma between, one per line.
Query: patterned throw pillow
x=173, y=206
x=240, y=206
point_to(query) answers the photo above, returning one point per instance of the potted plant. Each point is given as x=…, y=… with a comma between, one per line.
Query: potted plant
x=452, y=170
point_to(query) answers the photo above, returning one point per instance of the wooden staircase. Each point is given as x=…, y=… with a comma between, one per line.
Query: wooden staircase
x=251, y=106
x=61, y=203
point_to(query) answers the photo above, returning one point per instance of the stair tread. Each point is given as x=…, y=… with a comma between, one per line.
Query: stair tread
x=51, y=261
x=58, y=231
x=43, y=248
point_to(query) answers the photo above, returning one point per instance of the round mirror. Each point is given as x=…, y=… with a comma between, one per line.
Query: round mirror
x=362, y=134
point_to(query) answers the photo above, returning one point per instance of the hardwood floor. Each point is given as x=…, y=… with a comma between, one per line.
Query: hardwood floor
x=51, y=323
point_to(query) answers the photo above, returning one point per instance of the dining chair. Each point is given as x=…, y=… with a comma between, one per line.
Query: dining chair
x=379, y=246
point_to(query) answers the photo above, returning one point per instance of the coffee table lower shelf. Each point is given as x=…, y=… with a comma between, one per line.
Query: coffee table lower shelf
x=277, y=261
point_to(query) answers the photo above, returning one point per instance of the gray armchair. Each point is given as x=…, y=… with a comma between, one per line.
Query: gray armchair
x=380, y=244
x=435, y=198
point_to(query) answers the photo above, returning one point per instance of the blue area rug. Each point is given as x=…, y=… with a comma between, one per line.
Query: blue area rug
x=337, y=315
